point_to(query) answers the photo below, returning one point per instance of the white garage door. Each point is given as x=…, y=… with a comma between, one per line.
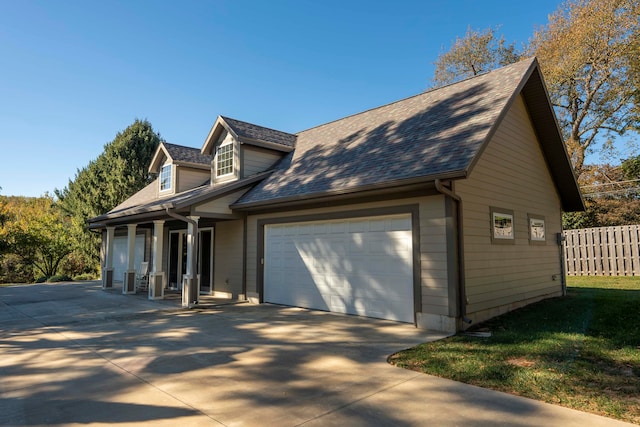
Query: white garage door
x=357, y=266
x=120, y=256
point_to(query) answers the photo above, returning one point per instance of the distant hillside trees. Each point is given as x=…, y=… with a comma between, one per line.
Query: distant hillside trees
x=612, y=196
x=36, y=238
x=45, y=236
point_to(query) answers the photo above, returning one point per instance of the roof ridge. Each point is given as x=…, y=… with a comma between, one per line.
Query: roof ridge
x=428, y=91
x=253, y=124
x=179, y=145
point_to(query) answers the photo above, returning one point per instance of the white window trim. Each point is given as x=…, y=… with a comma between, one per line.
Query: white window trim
x=498, y=237
x=230, y=143
x=535, y=238
x=160, y=180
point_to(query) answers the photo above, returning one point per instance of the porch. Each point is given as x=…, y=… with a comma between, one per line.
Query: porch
x=192, y=259
x=173, y=298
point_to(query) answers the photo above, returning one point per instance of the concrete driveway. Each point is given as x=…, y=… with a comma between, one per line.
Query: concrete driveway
x=73, y=354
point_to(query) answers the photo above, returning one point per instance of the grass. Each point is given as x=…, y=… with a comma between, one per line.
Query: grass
x=581, y=351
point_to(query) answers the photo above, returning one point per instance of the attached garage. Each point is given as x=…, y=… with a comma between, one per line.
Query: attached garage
x=361, y=266
x=120, y=261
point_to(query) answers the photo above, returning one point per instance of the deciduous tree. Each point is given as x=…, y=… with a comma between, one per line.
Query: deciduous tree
x=589, y=54
x=612, y=196
x=36, y=232
x=475, y=53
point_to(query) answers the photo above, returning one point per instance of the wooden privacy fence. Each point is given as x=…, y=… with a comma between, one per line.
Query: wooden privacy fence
x=603, y=251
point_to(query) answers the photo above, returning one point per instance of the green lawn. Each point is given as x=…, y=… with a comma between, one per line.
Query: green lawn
x=582, y=351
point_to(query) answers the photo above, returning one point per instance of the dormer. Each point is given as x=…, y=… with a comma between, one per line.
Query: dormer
x=179, y=168
x=240, y=149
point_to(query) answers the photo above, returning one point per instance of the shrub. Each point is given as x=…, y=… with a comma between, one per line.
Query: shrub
x=85, y=276
x=76, y=265
x=14, y=270
x=41, y=279
x=59, y=278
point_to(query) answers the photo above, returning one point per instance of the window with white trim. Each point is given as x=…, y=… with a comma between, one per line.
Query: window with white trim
x=502, y=226
x=224, y=162
x=536, y=228
x=165, y=178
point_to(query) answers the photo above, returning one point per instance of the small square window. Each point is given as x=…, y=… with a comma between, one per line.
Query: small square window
x=165, y=178
x=224, y=162
x=502, y=226
x=537, y=232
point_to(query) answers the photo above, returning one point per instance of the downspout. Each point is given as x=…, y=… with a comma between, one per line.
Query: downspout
x=462, y=294
x=194, y=258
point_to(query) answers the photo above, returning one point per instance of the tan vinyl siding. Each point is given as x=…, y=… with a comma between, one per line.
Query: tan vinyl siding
x=188, y=178
x=219, y=205
x=433, y=257
x=228, y=257
x=510, y=174
x=257, y=160
x=433, y=245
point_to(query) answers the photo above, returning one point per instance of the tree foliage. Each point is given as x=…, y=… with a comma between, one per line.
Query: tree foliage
x=612, y=196
x=475, y=53
x=37, y=237
x=631, y=168
x=120, y=171
x=589, y=54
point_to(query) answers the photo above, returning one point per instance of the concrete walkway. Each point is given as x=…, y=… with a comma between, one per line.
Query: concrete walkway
x=72, y=354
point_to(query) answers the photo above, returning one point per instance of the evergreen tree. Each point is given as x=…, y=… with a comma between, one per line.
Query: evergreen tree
x=120, y=171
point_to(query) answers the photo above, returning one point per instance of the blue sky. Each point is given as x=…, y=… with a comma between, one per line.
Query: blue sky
x=75, y=73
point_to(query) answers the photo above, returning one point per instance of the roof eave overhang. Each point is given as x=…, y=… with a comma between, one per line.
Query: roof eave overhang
x=266, y=144
x=218, y=126
x=133, y=216
x=545, y=124
x=214, y=193
x=155, y=161
x=192, y=164
x=379, y=189
x=546, y=127
x=142, y=213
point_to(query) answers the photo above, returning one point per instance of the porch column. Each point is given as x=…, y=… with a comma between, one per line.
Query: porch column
x=107, y=271
x=129, y=284
x=157, y=275
x=190, y=288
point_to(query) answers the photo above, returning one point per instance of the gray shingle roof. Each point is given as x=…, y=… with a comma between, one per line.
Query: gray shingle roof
x=436, y=134
x=260, y=133
x=180, y=153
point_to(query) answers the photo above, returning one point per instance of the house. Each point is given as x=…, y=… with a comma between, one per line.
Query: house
x=440, y=209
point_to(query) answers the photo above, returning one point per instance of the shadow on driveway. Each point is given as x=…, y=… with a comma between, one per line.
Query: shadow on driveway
x=73, y=353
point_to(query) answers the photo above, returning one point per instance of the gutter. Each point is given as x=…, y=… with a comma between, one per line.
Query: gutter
x=346, y=192
x=194, y=258
x=462, y=294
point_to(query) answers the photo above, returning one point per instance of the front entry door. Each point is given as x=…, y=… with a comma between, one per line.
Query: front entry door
x=177, y=258
x=205, y=260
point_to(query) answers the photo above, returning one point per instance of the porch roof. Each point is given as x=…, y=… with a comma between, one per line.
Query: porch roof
x=146, y=203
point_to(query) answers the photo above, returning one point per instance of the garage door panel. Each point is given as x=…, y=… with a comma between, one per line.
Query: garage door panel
x=359, y=266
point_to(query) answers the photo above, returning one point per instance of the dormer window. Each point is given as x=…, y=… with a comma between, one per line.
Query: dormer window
x=224, y=162
x=165, y=178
